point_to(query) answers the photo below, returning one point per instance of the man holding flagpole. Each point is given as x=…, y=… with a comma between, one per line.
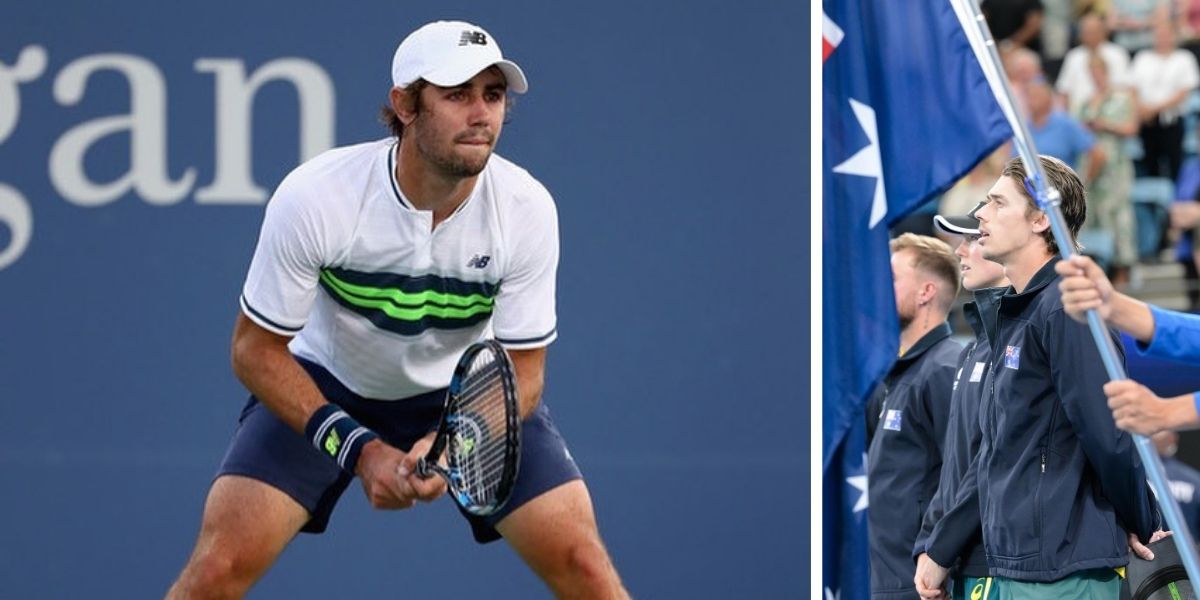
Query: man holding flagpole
x=1062, y=491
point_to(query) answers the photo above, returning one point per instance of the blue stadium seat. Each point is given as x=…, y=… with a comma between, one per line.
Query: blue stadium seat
x=1191, y=110
x=1133, y=147
x=1151, y=197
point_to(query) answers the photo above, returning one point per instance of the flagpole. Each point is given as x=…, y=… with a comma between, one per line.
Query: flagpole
x=1049, y=201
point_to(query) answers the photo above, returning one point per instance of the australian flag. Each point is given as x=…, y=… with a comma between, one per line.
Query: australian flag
x=907, y=112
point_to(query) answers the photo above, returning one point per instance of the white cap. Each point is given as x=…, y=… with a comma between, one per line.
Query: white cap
x=450, y=53
x=955, y=225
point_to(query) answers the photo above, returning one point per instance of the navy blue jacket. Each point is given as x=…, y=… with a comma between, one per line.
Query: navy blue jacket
x=950, y=531
x=1059, y=484
x=904, y=456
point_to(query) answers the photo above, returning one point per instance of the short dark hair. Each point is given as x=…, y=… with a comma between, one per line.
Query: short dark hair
x=392, y=121
x=1062, y=178
x=389, y=117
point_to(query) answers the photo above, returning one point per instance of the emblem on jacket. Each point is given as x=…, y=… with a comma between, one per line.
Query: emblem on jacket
x=892, y=420
x=1012, y=357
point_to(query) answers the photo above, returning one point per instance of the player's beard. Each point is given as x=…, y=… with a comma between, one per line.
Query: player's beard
x=906, y=316
x=442, y=156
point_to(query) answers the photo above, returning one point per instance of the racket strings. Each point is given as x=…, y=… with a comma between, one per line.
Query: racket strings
x=478, y=446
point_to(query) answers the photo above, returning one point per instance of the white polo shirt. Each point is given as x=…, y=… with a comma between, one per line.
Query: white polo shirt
x=377, y=296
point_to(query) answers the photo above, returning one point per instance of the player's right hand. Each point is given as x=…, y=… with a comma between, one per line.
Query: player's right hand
x=1084, y=286
x=377, y=468
x=425, y=489
x=930, y=579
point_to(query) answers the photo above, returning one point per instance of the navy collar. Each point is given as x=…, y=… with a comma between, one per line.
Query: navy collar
x=1044, y=277
x=926, y=342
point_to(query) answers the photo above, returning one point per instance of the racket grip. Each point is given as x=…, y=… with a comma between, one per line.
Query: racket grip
x=423, y=470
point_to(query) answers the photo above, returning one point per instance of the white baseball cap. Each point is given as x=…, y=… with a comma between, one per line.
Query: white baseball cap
x=956, y=225
x=449, y=53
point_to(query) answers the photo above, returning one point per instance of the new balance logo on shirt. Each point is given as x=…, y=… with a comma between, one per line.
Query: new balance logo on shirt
x=479, y=261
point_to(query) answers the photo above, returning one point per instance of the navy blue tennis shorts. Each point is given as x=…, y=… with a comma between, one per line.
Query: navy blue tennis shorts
x=266, y=449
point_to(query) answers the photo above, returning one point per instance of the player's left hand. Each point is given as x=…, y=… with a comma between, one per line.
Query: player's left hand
x=930, y=579
x=425, y=490
x=1136, y=546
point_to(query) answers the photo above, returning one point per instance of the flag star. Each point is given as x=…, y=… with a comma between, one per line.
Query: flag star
x=859, y=482
x=866, y=162
x=833, y=595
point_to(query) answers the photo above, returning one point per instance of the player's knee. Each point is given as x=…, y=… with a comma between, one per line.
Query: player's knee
x=588, y=563
x=216, y=576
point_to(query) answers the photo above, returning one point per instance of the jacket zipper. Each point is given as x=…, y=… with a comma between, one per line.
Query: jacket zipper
x=883, y=402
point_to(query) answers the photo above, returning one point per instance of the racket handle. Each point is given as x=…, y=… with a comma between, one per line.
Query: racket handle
x=423, y=470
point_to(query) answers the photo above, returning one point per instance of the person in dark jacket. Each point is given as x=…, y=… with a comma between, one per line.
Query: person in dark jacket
x=1061, y=489
x=908, y=410
x=950, y=531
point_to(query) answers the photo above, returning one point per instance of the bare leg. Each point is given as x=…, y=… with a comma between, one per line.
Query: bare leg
x=246, y=524
x=556, y=535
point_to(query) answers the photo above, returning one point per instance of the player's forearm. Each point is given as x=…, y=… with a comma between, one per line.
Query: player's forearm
x=529, y=394
x=269, y=371
x=959, y=525
x=1132, y=316
x=529, y=367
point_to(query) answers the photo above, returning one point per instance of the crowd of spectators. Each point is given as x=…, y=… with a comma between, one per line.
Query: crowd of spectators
x=1112, y=87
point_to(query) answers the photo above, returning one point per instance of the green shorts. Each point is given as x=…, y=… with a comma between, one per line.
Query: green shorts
x=974, y=588
x=1093, y=584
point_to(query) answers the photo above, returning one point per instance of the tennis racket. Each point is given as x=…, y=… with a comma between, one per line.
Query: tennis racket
x=480, y=431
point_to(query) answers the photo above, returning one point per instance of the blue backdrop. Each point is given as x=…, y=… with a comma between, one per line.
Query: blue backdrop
x=675, y=140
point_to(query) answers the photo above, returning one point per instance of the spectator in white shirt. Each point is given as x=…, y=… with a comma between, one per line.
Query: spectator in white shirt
x=1163, y=77
x=1075, y=79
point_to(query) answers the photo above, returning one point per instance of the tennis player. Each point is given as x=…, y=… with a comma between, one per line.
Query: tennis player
x=950, y=529
x=907, y=412
x=376, y=266
x=1061, y=489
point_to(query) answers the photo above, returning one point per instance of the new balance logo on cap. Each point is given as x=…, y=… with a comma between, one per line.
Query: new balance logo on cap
x=449, y=54
x=473, y=37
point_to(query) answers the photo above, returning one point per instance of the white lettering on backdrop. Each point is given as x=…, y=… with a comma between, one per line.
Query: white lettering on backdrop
x=146, y=125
